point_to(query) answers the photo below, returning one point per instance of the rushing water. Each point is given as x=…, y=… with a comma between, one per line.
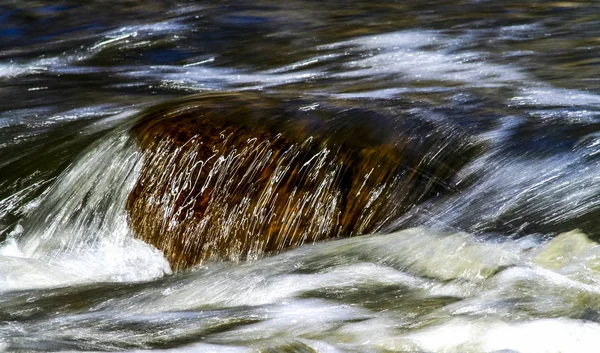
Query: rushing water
x=506, y=263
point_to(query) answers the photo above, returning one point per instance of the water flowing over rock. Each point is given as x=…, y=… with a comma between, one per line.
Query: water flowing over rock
x=236, y=175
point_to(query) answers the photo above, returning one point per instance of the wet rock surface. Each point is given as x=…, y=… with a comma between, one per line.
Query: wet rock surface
x=236, y=175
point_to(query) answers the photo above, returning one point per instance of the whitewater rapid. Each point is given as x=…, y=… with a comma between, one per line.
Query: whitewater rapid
x=508, y=263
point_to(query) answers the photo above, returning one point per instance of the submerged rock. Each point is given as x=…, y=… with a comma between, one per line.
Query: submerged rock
x=564, y=249
x=236, y=175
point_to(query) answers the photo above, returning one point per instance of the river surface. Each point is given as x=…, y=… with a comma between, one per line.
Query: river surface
x=508, y=262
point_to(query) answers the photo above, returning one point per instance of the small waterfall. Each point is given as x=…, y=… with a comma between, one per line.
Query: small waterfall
x=81, y=226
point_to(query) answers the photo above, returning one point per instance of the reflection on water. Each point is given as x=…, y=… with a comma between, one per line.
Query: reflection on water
x=483, y=269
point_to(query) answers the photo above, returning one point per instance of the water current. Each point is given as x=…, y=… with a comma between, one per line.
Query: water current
x=507, y=262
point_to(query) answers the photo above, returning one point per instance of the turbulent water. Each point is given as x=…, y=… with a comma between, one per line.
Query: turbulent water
x=506, y=262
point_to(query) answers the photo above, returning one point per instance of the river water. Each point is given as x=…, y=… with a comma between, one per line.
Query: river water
x=508, y=262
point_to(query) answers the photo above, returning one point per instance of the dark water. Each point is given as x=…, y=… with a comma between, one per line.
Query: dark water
x=480, y=272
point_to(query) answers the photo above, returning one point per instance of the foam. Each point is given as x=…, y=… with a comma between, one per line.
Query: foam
x=535, y=336
x=79, y=231
x=558, y=97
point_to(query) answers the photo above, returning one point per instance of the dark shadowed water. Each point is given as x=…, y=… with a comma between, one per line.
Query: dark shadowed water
x=507, y=262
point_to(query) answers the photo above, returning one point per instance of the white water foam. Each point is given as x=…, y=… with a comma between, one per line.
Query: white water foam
x=535, y=336
x=199, y=348
x=433, y=263
x=79, y=231
x=14, y=69
x=414, y=55
x=406, y=53
x=557, y=97
x=282, y=309
x=488, y=276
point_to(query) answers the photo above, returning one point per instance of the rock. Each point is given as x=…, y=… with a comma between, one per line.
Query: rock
x=563, y=250
x=236, y=175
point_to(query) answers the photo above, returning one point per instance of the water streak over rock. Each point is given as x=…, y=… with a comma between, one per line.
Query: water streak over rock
x=236, y=175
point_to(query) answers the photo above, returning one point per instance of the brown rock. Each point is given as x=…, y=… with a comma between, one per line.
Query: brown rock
x=236, y=175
